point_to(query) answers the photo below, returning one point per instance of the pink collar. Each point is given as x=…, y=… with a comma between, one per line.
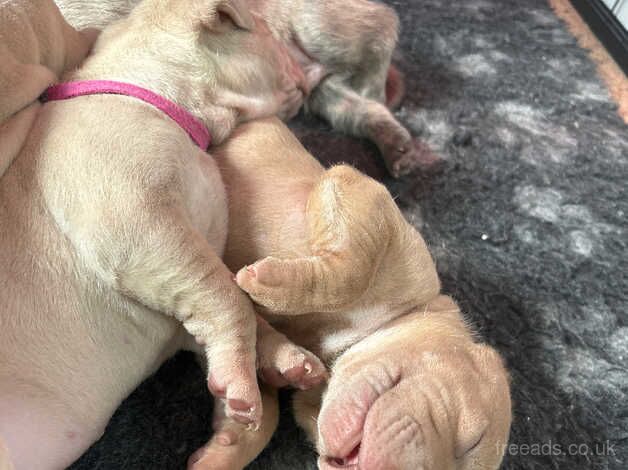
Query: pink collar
x=190, y=124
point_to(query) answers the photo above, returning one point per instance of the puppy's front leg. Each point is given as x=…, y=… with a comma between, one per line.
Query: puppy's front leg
x=146, y=248
x=350, y=112
x=282, y=363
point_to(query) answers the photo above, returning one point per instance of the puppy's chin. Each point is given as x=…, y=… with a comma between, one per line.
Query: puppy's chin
x=354, y=392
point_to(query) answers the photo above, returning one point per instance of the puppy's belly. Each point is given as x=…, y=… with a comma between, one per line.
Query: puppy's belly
x=66, y=369
x=38, y=437
x=71, y=349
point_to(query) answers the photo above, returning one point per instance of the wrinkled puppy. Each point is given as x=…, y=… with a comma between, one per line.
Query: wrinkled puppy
x=36, y=46
x=344, y=48
x=113, y=223
x=344, y=275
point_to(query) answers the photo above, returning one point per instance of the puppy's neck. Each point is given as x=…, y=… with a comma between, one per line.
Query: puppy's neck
x=167, y=80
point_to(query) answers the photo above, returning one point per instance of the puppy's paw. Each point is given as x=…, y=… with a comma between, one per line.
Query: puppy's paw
x=269, y=282
x=290, y=102
x=220, y=453
x=232, y=445
x=402, y=153
x=297, y=368
x=243, y=404
x=232, y=377
x=283, y=286
x=411, y=156
x=283, y=363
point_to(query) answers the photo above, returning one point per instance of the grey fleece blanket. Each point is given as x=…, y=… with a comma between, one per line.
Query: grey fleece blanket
x=526, y=220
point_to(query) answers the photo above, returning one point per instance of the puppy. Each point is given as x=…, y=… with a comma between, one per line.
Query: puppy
x=341, y=273
x=36, y=46
x=344, y=48
x=113, y=223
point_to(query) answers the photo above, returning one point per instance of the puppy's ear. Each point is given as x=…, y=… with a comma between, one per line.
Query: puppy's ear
x=229, y=13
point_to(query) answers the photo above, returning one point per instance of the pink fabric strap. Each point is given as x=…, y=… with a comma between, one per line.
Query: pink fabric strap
x=193, y=126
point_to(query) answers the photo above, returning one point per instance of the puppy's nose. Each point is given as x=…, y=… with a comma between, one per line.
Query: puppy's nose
x=340, y=463
x=347, y=463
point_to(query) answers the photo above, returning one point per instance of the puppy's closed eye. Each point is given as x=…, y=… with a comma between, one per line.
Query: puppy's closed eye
x=225, y=20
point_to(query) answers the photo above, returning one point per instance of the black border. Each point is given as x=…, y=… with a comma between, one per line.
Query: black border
x=606, y=27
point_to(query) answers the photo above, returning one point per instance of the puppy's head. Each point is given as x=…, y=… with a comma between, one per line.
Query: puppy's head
x=224, y=51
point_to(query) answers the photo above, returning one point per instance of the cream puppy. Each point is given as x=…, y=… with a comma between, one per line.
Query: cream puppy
x=343, y=274
x=36, y=46
x=113, y=223
x=344, y=48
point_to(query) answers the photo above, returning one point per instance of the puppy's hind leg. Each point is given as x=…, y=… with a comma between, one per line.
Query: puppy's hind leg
x=233, y=446
x=171, y=268
x=349, y=217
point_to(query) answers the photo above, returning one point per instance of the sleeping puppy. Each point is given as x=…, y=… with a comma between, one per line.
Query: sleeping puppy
x=36, y=46
x=333, y=264
x=113, y=223
x=344, y=48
